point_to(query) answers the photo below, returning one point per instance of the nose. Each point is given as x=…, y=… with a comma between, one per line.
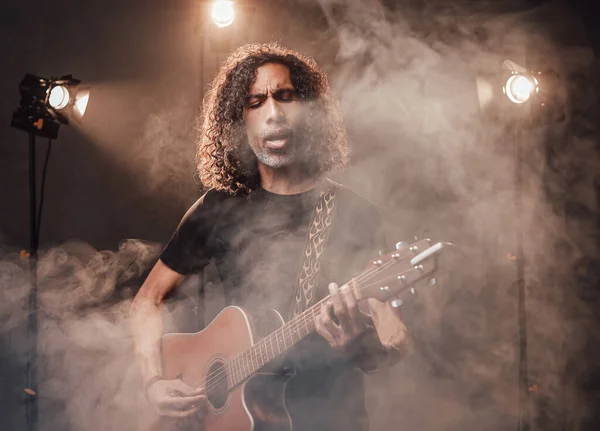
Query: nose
x=274, y=111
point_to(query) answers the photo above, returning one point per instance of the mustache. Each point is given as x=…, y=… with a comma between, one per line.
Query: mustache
x=277, y=133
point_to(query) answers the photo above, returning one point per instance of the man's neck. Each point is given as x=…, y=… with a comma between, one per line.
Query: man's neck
x=289, y=180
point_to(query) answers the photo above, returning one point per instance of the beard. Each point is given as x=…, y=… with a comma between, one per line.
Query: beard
x=276, y=158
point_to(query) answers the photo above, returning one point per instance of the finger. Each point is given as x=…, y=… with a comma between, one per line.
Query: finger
x=353, y=312
x=184, y=389
x=329, y=325
x=182, y=403
x=181, y=414
x=197, y=390
x=320, y=325
x=339, y=307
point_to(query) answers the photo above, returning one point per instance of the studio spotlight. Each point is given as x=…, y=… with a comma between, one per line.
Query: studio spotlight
x=47, y=103
x=535, y=97
x=223, y=13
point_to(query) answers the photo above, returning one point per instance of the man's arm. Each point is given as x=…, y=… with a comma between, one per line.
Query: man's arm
x=168, y=397
x=146, y=318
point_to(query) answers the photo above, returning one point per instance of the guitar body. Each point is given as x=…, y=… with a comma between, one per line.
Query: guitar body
x=257, y=404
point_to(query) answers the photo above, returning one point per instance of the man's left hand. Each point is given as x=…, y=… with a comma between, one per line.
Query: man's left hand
x=351, y=324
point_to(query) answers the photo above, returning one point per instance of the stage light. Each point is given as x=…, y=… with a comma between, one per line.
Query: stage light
x=47, y=103
x=519, y=88
x=515, y=92
x=223, y=13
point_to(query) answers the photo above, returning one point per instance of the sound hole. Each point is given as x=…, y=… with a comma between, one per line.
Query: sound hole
x=216, y=385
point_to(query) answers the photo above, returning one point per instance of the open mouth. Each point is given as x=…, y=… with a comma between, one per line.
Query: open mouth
x=277, y=139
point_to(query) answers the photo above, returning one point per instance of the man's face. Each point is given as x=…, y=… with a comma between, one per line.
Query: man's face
x=274, y=116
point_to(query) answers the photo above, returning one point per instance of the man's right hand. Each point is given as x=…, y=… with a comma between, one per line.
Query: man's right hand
x=176, y=399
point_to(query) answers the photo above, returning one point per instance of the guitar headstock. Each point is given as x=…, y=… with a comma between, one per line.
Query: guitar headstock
x=387, y=276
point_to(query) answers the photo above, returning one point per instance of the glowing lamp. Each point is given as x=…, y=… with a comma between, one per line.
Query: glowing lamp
x=47, y=103
x=223, y=13
x=519, y=87
x=59, y=97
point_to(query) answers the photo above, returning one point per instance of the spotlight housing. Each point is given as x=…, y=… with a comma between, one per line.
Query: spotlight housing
x=47, y=103
x=535, y=98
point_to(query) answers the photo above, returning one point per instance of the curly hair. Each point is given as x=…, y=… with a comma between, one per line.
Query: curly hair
x=224, y=159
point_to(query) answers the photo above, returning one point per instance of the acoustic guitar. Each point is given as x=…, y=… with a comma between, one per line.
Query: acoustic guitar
x=233, y=356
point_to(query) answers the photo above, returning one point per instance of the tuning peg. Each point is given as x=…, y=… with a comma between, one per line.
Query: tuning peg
x=400, y=245
x=432, y=282
x=397, y=303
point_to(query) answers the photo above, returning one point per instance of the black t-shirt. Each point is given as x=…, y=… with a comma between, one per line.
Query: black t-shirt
x=257, y=242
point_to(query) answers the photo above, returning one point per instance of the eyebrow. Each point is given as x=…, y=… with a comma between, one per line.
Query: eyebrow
x=277, y=90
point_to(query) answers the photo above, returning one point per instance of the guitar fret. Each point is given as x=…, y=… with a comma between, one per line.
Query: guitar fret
x=308, y=317
x=306, y=326
x=247, y=365
x=266, y=343
x=228, y=374
x=266, y=355
x=259, y=362
x=236, y=373
x=291, y=332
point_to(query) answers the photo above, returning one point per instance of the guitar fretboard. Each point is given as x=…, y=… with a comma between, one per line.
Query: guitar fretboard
x=272, y=346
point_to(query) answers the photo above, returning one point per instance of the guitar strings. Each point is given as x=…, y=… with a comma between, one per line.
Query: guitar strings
x=251, y=355
x=219, y=377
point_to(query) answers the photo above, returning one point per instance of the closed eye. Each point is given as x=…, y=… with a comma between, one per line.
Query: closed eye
x=285, y=95
x=282, y=95
x=254, y=102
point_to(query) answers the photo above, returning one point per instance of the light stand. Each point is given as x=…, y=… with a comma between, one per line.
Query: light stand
x=535, y=97
x=521, y=98
x=45, y=104
x=32, y=325
x=523, y=419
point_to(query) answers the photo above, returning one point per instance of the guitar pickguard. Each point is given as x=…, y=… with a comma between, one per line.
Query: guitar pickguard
x=264, y=399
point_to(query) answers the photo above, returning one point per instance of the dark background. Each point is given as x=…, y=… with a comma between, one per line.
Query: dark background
x=118, y=184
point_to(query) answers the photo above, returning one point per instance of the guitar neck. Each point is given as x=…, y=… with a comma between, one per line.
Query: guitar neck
x=385, y=278
x=274, y=345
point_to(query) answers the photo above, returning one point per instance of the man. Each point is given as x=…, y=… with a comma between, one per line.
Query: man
x=269, y=131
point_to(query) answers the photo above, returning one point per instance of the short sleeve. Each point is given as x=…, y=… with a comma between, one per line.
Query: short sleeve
x=191, y=247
